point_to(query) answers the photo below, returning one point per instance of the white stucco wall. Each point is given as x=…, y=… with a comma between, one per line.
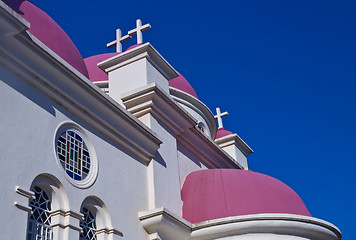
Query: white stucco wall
x=187, y=163
x=236, y=154
x=163, y=171
x=28, y=123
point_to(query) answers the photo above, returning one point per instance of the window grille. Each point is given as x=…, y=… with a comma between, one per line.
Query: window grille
x=88, y=226
x=73, y=155
x=39, y=222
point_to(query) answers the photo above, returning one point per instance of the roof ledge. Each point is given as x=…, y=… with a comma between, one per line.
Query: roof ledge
x=143, y=51
x=11, y=22
x=152, y=99
x=196, y=105
x=162, y=224
x=237, y=141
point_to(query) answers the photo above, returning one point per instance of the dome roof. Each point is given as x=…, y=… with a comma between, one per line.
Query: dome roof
x=182, y=84
x=134, y=46
x=218, y=193
x=95, y=73
x=222, y=132
x=49, y=32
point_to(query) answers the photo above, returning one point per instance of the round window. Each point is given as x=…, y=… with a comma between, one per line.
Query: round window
x=75, y=157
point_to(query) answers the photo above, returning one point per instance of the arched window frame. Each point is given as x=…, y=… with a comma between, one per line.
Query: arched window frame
x=104, y=229
x=64, y=222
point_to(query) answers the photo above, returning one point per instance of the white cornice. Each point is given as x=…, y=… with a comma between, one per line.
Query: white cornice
x=163, y=223
x=143, y=51
x=287, y=225
x=234, y=139
x=11, y=22
x=206, y=150
x=34, y=62
x=152, y=99
x=198, y=106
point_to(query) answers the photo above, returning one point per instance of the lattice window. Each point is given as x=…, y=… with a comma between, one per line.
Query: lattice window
x=73, y=155
x=40, y=219
x=88, y=226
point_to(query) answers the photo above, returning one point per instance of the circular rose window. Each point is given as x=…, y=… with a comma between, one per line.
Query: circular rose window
x=75, y=157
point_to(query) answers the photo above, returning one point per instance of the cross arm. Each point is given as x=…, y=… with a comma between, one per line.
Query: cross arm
x=222, y=115
x=143, y=28
x=111, y=44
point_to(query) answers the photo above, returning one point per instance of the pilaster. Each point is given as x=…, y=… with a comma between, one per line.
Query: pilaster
x=155, y=108
x=236, y=148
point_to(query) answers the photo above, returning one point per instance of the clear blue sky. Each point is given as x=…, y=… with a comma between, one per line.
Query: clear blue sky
x=284, y=70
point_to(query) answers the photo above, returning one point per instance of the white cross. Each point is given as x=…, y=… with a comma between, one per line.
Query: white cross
x=119, y=40
x=219, y=116
x=138, y=30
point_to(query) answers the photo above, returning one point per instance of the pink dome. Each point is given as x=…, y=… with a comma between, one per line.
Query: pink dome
x=49, y=32
x=222, y=132
x=133, y=46
x=218, y=193
x=95, y=73
x=182, y=84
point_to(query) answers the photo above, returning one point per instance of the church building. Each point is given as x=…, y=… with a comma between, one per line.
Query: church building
x=119, y=146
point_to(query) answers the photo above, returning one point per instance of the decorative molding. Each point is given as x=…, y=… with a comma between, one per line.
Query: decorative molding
x=62, y=219
x=45, y=70
x=29, y=194
x=146, y=51
x=196, y=105
x=11, y=21
x=206, y=150
x=267, y=223
x=265, y=216
x=64, y=226
x=161, y=222
x=22, y=207
x=234, y=139
x=152, y=99
x=103, y=85
x=79, y=217
x=67, y=213
x=109, y=231
x=154, y=236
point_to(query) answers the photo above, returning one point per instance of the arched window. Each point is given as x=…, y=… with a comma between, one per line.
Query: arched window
x=88, y=226
x=39, y=221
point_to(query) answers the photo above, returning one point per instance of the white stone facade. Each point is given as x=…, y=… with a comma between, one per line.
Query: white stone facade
x=142, y=138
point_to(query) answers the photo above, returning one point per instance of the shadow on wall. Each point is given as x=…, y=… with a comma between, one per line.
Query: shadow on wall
x=25, y=89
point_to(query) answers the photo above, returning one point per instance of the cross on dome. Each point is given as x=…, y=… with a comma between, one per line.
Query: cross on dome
x=138, y=30
x=119, y=40
x=219, y=116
